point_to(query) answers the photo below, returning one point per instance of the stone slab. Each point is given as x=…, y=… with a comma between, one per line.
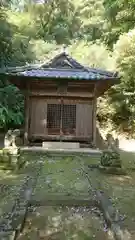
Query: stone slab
x=60, y=145
x=76, y=151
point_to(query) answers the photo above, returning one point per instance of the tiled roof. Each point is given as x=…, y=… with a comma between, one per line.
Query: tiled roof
x=64, y=73
x=61, y=66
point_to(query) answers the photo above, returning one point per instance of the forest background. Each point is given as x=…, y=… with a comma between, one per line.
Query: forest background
x=98, y=33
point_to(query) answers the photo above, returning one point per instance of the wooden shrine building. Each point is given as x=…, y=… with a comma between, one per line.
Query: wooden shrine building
x=60, y=99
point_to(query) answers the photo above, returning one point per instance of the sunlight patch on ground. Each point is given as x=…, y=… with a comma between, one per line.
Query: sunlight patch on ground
x=127, y=145
x=121, y=178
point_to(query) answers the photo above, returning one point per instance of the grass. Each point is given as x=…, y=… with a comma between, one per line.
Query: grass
x=128, y=160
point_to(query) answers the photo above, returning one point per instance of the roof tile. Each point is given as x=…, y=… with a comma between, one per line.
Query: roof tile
x=55, y=73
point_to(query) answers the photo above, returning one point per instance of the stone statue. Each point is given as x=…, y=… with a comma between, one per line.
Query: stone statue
x=111, y=156
x=10, y=138
x=113, y=144
x=110, y=141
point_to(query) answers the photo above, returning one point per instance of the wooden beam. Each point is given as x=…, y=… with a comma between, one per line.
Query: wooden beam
x=102, y=87
x=67, y=99
x=55, y=94
x=40, y=84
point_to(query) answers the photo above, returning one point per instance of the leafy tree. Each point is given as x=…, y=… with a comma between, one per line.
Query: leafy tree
x=64, y=20
x=124, y=97
x=45, y=51
x=120, y=100
x=93, y=55
x=11, y=100
x=91, y=13
x=5, y=39
x=11, y=107
x=121, y=18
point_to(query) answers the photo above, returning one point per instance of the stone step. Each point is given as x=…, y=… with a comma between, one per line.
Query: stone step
x=61, y=145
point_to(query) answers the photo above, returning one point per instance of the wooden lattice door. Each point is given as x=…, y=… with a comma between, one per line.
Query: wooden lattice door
x=61, y=118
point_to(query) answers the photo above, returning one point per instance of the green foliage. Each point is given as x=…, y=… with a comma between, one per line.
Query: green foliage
x=5, y=39
x=121, y=17
x=62, y=20
x=122, y=97
x=119, y=35
x=11, y=107
x=22, y=52
x=92, y=54
x=105, y=111
x=110, y=159
x=45, y=51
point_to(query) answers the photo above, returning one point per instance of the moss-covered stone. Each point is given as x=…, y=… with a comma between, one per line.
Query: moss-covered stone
x=6, y=156
x=110, y=158
x=10, y=157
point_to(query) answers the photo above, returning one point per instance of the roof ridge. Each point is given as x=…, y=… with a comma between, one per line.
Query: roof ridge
x=52, y=59
x=71, y=60
x=80, y=66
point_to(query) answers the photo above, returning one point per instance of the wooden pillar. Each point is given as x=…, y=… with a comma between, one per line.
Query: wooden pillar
x=94, y=120
x=94, y=114
x=26, y=126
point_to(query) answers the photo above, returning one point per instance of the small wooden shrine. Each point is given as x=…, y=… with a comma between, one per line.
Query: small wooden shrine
x=60, y=99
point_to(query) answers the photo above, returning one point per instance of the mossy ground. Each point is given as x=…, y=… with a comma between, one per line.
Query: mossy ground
x=121, y=189
x=63, y=223
x=63, y=175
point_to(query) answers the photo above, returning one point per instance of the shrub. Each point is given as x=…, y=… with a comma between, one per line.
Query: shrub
x=110, y=158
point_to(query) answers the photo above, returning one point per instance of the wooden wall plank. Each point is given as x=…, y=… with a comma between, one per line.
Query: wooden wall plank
x=84, y=120
x=38, y=122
